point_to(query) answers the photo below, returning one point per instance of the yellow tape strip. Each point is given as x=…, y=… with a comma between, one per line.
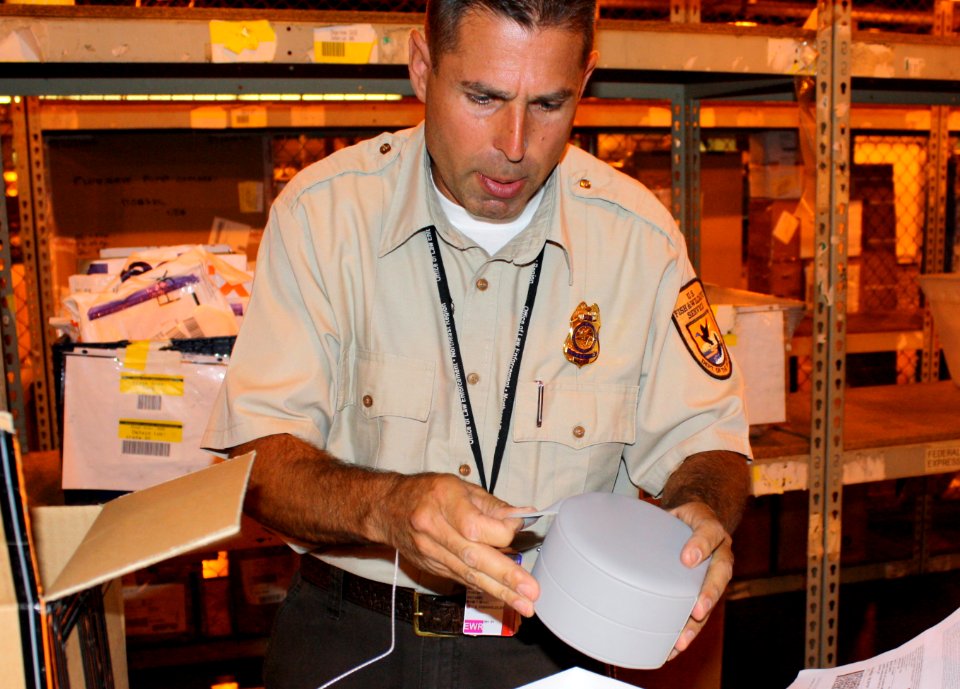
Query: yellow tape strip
x=136, y=355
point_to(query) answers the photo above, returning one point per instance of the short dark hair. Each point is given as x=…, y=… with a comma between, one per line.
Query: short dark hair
x=444, y=17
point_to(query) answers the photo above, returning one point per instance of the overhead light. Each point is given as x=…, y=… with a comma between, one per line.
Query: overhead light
x=222, y=97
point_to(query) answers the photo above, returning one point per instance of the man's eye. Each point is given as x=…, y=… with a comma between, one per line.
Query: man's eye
x=550, y=106
x=480, y=99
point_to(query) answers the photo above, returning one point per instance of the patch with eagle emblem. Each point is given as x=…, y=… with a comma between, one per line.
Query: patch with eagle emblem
x=699, y=330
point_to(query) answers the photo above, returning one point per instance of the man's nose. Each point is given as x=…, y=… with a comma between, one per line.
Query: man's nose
x=512, y=134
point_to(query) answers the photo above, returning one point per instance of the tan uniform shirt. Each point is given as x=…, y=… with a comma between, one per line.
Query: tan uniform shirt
x=344, y=346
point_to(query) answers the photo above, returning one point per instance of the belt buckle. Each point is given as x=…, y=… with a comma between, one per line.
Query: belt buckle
x=417, y=614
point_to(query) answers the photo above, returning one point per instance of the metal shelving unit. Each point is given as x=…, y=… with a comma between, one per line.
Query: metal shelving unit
x=120, y=51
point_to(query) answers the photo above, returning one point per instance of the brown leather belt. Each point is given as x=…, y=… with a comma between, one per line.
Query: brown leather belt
x=429, y=615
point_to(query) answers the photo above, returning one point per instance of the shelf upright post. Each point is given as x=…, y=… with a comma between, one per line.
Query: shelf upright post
x=685, y=168
x=934, y=240
x=12, y=390
x=934, y=261
x=685, y=11
x=829, y=330
x=35, y=231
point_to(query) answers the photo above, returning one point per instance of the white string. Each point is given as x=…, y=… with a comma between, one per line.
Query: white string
x=393, y=628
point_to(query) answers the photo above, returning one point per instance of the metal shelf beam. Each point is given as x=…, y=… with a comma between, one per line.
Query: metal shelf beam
x=48, y=40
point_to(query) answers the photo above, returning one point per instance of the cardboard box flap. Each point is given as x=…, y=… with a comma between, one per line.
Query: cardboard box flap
x=151, y=525
x=57, y=533
x=746, y=301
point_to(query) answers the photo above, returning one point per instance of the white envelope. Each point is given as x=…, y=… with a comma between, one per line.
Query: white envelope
x=128, y=428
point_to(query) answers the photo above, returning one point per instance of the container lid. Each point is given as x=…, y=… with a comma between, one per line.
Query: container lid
x=611, y=581
x=631, y=541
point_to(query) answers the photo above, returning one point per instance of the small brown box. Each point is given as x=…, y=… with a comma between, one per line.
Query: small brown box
x=259, y=582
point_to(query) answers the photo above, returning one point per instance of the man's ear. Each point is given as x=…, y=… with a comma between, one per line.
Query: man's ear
x=419, y=64
x=591, y=65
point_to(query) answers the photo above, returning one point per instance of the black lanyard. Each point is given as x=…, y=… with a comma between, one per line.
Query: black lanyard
x=513, y=373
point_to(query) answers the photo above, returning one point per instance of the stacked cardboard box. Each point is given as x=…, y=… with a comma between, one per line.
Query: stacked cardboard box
x=773, y=248
x=177, y=602
x=774, y=263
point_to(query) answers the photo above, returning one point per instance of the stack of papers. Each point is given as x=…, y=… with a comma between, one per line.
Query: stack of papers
x=929, y=661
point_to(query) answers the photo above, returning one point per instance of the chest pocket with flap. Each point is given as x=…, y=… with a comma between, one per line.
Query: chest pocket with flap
x=580, y=439
x=577, y=415
x=391, y=397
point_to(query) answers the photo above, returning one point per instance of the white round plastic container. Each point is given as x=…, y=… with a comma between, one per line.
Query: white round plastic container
x=611, y=582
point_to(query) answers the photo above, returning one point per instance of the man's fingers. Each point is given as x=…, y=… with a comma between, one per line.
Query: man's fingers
x=689, y=633
x=455, y=529
x=487, y=569
x=709, y=539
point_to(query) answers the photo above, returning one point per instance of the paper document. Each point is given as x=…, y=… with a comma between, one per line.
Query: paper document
x=576, y=678
x=929, y=661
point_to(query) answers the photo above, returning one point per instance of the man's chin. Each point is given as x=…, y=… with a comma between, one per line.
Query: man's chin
x=497, y=210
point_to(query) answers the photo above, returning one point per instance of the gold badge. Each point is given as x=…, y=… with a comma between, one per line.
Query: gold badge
x=699, y=330
x=583, y=341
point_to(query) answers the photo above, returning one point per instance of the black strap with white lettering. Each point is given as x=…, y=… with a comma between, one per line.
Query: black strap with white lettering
x=513, y=373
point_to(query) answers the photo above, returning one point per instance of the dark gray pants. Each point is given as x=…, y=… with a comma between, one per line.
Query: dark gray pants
x=317, y=636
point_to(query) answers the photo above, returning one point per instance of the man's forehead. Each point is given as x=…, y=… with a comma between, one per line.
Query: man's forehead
x=476, y=19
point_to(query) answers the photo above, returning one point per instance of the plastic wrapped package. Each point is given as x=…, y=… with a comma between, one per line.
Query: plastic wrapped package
x=162, y=294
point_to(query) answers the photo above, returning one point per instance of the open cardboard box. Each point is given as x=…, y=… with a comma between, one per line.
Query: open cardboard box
x=757, y=329
x=79, y=548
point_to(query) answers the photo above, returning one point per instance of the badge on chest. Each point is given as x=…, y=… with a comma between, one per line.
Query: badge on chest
x=582, y=346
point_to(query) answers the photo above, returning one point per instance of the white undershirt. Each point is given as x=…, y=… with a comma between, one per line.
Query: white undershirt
x=492, y=236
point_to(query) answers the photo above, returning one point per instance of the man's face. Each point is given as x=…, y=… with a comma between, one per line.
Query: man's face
x=499, y=110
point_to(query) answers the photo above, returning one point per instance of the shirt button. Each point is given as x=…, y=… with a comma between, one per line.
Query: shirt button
x=473, y=378
x=464, y=470
x=482, y=284
x=578, y=432
x=385, y=148
x=367, y=401
x=584, y=183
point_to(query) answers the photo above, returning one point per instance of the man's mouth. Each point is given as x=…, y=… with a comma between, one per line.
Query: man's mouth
x=499, y=188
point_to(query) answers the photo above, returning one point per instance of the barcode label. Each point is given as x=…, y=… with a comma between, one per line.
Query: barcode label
x=331, y=49
x=149, y=402
x=192, y=327
x=145, y=448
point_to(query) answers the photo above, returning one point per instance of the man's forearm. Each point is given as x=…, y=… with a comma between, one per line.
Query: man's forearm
x=718, y=478
x=305, y=493
x=438, y=522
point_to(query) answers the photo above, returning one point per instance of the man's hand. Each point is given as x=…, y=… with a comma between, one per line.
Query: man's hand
x=708, y=492
x=709, y=538
x=454, y=529
x=438, y=522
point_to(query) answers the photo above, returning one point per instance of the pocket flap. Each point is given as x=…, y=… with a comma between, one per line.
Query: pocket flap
x=577, y=415
x=391, y=385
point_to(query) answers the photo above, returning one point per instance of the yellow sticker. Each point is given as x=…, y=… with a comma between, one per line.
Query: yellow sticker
x=699, y=331
x=135, y=356
x=349, y=44
x=151, y=384
x=243, y=35
x=150, y=431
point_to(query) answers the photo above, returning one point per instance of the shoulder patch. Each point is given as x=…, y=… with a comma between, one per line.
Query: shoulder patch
x=699, y=331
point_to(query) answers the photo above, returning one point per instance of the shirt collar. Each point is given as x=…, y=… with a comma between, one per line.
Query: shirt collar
x=415, y=208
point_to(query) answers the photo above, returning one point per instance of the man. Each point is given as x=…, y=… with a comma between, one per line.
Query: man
x=399, y=285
